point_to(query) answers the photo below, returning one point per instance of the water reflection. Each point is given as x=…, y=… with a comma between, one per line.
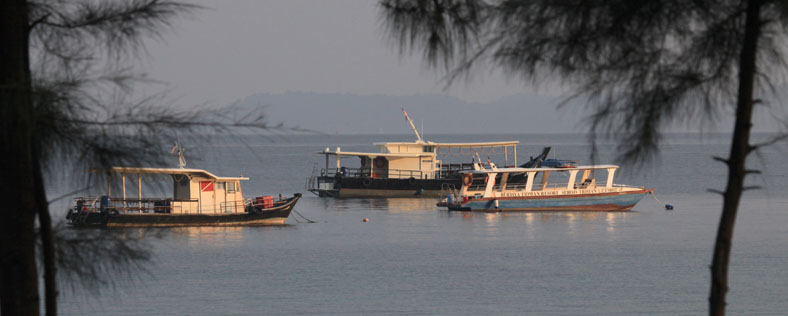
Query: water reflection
x=211, y=236
x=493, y=223
x=488, y=224
x=571, y=224
x=529, y=222
x=611, y=222
x=392, y=205
x=575, y=222
x=411, y=205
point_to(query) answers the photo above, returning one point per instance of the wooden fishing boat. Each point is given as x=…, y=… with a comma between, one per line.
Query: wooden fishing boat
x=199, y=198
x=401, y=169
x=531, y=189
x=404, y=169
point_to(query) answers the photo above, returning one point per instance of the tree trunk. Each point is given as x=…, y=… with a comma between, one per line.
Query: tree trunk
x=740, y=147
x=18, y=275
x=47, y=239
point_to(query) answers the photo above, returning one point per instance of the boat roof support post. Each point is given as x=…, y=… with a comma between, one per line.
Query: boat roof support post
x=515, y=154
x=123, y=177
x=505, y=156
x=610, y=173
x=326, y=163
x=545, y=177
x=529, y=182
x=504, y=179
x=488, y=190
x=338, y=159
x=586, y=174
x=571, y=183
x=139, y=187
x=109, y=184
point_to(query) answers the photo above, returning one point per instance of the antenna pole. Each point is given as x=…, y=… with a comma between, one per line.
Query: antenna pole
x=422, y=129
x=181, y=158
x=412, y=126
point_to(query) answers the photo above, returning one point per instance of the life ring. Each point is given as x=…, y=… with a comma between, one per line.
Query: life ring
x=380, y=162
x=366, y=182
x=467, y=179
x=411, y=181
x=486, y=178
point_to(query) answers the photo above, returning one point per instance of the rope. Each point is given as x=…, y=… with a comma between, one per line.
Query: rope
x=297, y=221
x=302, y=216
x=663, y=205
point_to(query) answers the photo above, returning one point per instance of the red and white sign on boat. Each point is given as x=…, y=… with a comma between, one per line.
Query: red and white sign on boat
x=206, y=186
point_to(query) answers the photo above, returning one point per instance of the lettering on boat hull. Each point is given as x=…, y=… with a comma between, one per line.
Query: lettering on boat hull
x=590, y=202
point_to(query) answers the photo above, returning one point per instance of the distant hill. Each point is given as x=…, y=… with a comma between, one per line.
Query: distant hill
x=371, y=114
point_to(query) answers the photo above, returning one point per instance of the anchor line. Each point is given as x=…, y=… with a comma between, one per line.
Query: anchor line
x=302, y=216
x=658, y=201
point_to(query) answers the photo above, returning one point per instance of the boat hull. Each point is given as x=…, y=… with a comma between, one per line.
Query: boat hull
x=347, y=187
x=276, y=215
x=389, y=193
x=600, y=202
x=179, y=220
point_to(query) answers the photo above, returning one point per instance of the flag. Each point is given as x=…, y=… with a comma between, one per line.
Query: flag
x=172, y=151
x=206, y=186
x=406, y=115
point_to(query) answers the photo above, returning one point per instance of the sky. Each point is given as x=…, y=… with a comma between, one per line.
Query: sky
x=232, y=49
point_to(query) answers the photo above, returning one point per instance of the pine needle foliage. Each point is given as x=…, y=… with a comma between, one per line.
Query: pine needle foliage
x=68, y=103
x=641, y=67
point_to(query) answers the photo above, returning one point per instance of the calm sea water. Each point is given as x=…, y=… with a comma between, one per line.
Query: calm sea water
x=412, y=258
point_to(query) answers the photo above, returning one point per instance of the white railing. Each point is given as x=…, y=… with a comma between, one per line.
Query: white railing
x=475, y=188
x=365, y=173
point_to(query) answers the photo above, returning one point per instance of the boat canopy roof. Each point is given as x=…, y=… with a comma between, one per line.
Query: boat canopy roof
x=388, y=155
x=455, y=145
x=139, y=170
x=524, y=170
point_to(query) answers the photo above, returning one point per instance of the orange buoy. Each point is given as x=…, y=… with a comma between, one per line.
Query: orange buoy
x=365, y=220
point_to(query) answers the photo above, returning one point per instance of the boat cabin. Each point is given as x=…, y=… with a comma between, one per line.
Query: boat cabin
x=195, y=191
x=518, y=182
x=418, y=160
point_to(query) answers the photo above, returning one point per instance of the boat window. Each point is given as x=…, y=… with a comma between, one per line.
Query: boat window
x=181, y=187
x=429, y=149
x=230, y=187
x=220, y=185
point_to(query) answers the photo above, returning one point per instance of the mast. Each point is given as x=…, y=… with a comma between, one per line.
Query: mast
x=181, y=157
x=407, y=119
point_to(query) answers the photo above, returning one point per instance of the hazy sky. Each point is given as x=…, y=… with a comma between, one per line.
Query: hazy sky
x=236, y=48
x=233, y=49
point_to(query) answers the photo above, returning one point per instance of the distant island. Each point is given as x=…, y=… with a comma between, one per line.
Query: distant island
x=441, y=114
